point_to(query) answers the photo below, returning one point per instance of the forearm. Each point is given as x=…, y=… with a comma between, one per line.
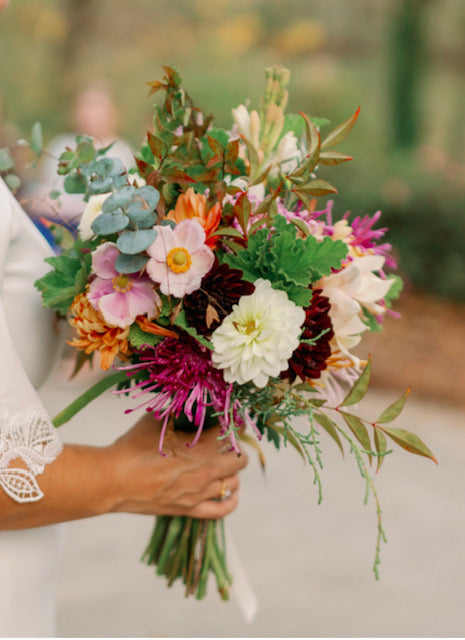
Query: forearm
x=80, y=483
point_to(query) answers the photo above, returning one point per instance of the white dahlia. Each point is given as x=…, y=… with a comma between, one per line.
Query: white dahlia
x=258, y=337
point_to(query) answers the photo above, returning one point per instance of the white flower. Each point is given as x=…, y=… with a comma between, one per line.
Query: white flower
x=135, y=180
x=349, y=291
x=92, y=210
x=258, y=337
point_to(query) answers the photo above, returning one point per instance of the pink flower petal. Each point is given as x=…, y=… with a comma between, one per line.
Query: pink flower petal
x=142, y=299
x=115, y=309
x=190, y=234
x=164, y=242
x=157, y=270
x=98, y=288
x=202, y=260
x=103, y=260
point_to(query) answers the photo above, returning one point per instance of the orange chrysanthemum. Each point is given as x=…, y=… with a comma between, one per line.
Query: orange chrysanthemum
x=95, y=335
x=194, y=206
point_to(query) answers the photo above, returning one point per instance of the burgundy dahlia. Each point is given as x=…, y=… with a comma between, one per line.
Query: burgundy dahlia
x=309, y=360
x=220, y=289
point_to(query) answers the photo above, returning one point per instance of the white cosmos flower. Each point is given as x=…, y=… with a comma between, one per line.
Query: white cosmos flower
x=349, y=291
x=258, y=337
x=92, y=210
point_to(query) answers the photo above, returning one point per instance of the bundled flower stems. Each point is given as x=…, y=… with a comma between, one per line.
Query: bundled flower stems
x=218, y=293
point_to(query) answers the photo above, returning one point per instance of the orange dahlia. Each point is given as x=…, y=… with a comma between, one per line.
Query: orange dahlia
x=94, y=334
x=194, y=205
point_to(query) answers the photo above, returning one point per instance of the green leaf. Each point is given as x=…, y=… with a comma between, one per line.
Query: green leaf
x=288, y=436
x=142, y=218
x=228, y=231
x=139, y=338
x=330, y=427
x=118, y=200
x=339, y=133
x=132, y=242
x=181, y=321
x=62, y=284
x=75, y=184
x=130, y=264
x=316, y=188
x=360, y=387
x=381, y=447
x=358, y=429
x=108, y=223
x=393, y=410
x=149, y=195
x=37, y=139
x=13, y=182
x=54, y=194
x=6, y=161
x=85, y=150
x=409, y=441
x=331, y=158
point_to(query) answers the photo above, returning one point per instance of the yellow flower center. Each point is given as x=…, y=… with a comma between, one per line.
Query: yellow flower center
x=248, y=327
x=179, y=260
x=121, y=284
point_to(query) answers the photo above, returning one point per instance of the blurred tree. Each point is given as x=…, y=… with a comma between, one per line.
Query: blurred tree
x=407, y=59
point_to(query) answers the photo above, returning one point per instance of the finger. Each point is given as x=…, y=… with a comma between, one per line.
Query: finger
x=228, y=464
x=223, y=488
x=211, y=510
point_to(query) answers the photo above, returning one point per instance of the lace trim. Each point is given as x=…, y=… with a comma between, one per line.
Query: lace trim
x=30, y=436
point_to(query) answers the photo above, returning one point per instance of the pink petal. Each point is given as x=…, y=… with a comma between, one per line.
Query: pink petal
x=162, y=245
x=190, y=234
x=103, y=260
x=98, y=288
x=115, y=309
x=157, y=270
x=142, y=300
x=180, y=284
x=202, y=260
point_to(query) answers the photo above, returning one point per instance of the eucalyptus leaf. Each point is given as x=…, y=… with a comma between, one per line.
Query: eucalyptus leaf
x=108, y=223
x=149, y=195
x=37, y=139
x=142, y=219
x=118, y=200
x=102, y=185
x=6, y=161
x=132, y=242
x=75, y=184
x=13, y=182
x=130, y=264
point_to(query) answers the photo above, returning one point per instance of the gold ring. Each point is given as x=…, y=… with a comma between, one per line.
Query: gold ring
x=225, y=493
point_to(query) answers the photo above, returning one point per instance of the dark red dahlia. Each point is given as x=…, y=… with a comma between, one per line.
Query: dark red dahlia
x=309, y=360
x=220, y=289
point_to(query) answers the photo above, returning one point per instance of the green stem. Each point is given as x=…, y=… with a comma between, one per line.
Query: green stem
x=153, y=548
x=89, y=395
x=182, y=544
x=174, y=529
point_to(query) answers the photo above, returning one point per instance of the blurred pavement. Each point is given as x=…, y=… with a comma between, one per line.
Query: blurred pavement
x=309, y=564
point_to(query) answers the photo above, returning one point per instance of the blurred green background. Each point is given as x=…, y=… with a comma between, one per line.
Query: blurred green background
x=402, y=61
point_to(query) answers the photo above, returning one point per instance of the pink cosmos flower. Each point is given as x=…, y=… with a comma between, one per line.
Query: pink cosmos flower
x=120, y=297
x=179, y=258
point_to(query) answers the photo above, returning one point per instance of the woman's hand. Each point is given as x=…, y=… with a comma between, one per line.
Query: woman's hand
x=187, y=481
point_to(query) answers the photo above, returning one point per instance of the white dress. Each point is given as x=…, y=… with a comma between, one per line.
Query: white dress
x=29, y=557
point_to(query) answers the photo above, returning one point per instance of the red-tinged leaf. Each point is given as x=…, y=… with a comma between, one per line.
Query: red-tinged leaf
x=339, y=133
x=380, y=446
x=330, y=427
x=300, y=224
x=232, y=151
x=156, y=145
x=331, y=158
x=172, y=76
x=155, y=86
x=358, y=429
x=215, y=145
x=232, y=169
x=143, y=167
x=216, y=159
x=409, y=441
x=208, y=176
x=315, y=188
x=307, y=201
x=393, y=410
x=176, y=175
x=228, y=231
x=360, y=387
x=242, y=210
x=234, y=246
x=313, y=144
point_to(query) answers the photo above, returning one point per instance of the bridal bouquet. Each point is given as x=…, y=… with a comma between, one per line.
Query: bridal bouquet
x=221, y=296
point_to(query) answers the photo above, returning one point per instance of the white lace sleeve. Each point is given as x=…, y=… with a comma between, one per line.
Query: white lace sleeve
x=28, y=440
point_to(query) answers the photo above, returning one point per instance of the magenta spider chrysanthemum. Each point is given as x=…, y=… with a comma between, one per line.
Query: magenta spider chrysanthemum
x=182, y=378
